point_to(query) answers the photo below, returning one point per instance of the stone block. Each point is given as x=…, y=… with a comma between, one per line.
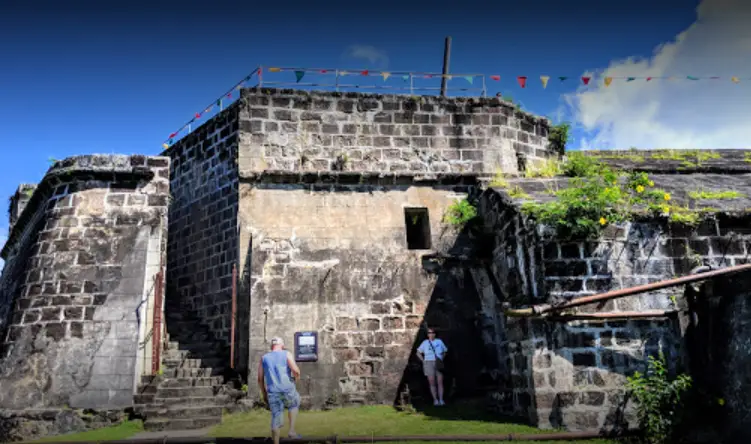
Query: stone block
x=346, y=324
x=393, y=323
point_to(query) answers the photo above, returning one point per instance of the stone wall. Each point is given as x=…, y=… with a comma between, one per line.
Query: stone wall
x=293, y=130
x=333, y=258
x=79, y=262
x=203, y=221
x=571, y=373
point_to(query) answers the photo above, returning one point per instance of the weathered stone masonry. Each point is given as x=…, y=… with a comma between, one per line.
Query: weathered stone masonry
x=79, y=263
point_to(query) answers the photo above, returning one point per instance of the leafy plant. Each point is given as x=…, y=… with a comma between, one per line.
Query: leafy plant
x=459, y=213
x=658, y=399
x=499, y=180
x=581, y=165
x=550, y=168
x=558, y=137
x=698, y=195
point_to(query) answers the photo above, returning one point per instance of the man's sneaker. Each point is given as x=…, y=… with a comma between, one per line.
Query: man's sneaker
x=436, y=403
x=441, y=402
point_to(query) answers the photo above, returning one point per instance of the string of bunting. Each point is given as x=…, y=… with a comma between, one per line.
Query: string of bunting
x=522, y=81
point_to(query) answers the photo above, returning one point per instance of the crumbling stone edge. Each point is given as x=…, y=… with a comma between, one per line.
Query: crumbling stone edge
x=24, y=425
x=89, y=167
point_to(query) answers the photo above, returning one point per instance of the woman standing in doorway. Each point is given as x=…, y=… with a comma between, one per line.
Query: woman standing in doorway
x=432, y=352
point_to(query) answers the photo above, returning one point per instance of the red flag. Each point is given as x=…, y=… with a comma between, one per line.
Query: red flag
x=522, y=81
x=649, y=78
x=323, y=71
x=365, y=73
x=229, y=95
x=428, y=76
x=585, y=80
x=496, y=78
x=172, y=135
x=198, y=115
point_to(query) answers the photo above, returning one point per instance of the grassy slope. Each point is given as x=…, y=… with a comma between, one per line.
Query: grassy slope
x=122, y=431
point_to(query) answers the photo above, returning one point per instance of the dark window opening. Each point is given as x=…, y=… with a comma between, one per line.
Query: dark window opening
x=418, y=228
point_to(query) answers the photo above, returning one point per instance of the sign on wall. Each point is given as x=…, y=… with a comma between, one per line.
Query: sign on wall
x=306, y=346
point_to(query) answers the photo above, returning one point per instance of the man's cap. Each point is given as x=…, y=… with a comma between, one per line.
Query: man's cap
x=277, y=341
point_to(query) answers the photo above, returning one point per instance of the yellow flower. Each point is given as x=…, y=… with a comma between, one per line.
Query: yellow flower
x=721, y=401
x=603, y=221
x=667, y=196
x=639, y=188
x=651, y=184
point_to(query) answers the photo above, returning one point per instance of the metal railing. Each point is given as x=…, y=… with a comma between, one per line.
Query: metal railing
x=339, y=80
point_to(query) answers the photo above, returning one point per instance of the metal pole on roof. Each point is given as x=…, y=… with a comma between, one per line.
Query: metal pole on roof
x=446, y=59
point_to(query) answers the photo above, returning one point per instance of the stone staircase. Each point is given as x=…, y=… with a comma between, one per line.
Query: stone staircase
x=190, y=393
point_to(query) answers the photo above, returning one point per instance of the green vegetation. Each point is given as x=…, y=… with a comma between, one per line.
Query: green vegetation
x=688, y=158
x=699, y=195
x=499, y=181
x=379, y=421
x=558, y=137
x=747, y=157
x=619, y=155
x=459, y=213
x=550, y=168
x=598, y=196
x=659, y=400
x=121, y=431
x=517, y=192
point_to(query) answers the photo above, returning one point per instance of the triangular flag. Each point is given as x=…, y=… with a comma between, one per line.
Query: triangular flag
x=365, y=73
x=585, y=80
x=562, y=78
x=544, y=80
x=608, y=81
x=734, y=79
x=428, y=76
x=207, y=110
x=239, y=87
x=165, y=145
x=324, y=71
x=469, y=79
x=172, y=135
x=522, y=81
x=496, y=78
x=649, y=78
x=630, y=79
x=198, y=115
x=385, y=75
x=275, y=69
x=219, y=102
x=299, y=75
x=449, y=77
x=715, y=77
x=692, y=78
x=170, y=141
x=229, y=95
x=343, y=73
x=405, y=77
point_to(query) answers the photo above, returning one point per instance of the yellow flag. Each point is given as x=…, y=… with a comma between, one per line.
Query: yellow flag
x=544, y=80
x=385, y=75
x=735, y=79
x=274, y=69
x=165, y=146
x=449, y=77
x=608, y=81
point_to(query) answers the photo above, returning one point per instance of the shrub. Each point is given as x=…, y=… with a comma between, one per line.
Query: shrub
x=459, y=213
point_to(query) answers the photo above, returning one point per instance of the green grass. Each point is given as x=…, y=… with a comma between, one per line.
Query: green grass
x=698, y=195
x=121, y=431
x=377, y=421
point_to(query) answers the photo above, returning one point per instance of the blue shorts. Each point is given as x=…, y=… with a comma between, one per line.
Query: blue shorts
x=277, y=403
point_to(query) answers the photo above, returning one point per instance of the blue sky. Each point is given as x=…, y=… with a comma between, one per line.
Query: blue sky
x=117, y=77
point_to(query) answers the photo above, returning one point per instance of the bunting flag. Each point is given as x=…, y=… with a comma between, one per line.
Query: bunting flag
x=172, y=136
x=544, y=80
x=405, y=78
x=275, y=69
x=365, y=73
x=608, y=81
x=522, y=81
x=427, y=76
x=449, y=77
x=208, y=109
x=630, y=79
x=496, y=78
x=470, y=79
x=165, y=146
x=562, y=78
x=299, y=75
x=734, y=79
x=649, y=78
x=385, y=75
x=692, y=78
x=219, y=103
x=585, y=80
x=343, y=73
x=198, y=115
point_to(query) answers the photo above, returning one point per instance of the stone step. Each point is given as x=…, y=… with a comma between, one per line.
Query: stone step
x=198, y=353
x=154, y=425
x=171, y=411
x=177, y=373
x=183, y=392
x=194, y=363
x=217, y=400
x=192, y=382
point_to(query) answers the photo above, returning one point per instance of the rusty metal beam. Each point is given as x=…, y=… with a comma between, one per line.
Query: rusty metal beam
x=613, y=315
x=542, y=309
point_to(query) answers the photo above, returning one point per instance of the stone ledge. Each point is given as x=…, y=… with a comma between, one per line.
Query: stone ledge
x=359, y=178
x=24, y=425
x=666, y=161
x=95, y=166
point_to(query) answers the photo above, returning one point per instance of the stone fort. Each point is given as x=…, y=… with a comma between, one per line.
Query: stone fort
x=152, y=284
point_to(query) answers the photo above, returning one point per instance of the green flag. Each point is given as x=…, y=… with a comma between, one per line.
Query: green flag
x=562, y=78
x=692, y=78
x=470, y=79
x=299, y=75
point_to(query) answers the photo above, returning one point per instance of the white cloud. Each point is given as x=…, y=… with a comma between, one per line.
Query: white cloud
x=375, y=56
x=679, y=113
